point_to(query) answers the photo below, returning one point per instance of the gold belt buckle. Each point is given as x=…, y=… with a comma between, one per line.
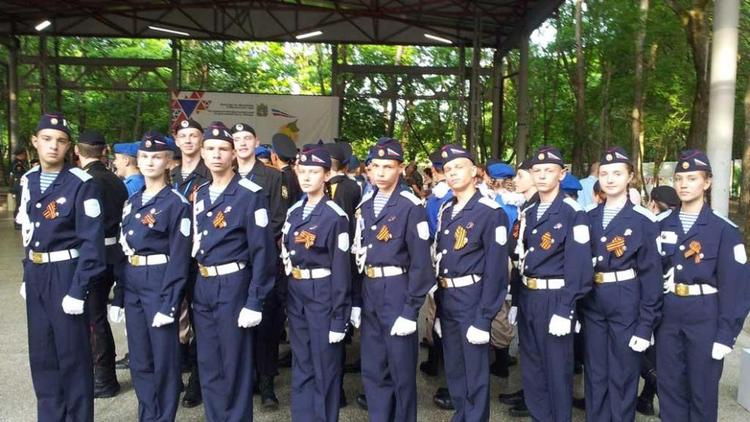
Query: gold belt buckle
x=203, y=270
x=297, y=273
x=443, y=282
x=599, y=278
x=681, y=289
x=37, y=257
x=134, y=260
x=531, y=283
x=370, y=271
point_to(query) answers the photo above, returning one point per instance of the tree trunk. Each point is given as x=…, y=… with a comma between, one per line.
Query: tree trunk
x=522, y=107
x=580, y=90
x=745, y=186
x=605, y=127
x=637, y=130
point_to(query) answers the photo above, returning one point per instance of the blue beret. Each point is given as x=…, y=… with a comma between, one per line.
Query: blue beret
x=451, y=152
x=570, y=183
x=387, y=149
x=53, y=121
x=90, y=137
x=500, y=171
x=614, y=155
x=692, y=160
x=217, y=130
x=262, y=152
x=189, y=124
x=315, y=155
x=548, y=155
x=126, y=148
x=242, y=127
x=153, y=141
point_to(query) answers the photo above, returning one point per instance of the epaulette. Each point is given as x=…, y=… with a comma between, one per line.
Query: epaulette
x=337, y=208
x=489, y=203
x=731, y=223
x=80, y=174
x=572, y=203
x=644, y=212
x=411, y=197
x=249, y=185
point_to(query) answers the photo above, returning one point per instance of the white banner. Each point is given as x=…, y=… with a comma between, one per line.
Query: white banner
x=305, y=119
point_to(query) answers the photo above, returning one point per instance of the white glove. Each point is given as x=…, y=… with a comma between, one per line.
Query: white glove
x=513, y=315
x=403, y=327
x=355, y=318
x=22, y=292
x=669, y=280
x=72, y=306
x=249, y=318
x=559, y=326
x=437, y=328
x=720, y=351
x=476, y=336
x=578, y=327
x=116, y=314
x=160, y=319
x=334, y=337
x=638, y=344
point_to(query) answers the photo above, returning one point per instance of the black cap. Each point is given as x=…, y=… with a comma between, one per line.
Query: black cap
x=665, y=194
x=346, y=148
x=189, y=124
x=90, y=137
x=436, y=159
x=692, y=160
x=53, y=121
x=153, y=141
x=336, y=151
x=217, y=130
x=548, y=155
x=242, y=127
x=315, y=155
x=387, y=149
x=283, y=146
x=614, y=155
x=452, y=152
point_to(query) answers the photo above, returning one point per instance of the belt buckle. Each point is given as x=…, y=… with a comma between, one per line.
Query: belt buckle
x=443, y=282
x=297, y=273
x=203, y=270
x=681, y=289
x=370, y=271
x=135, y=260
x=531, y=283
x=37, y=257
x=598, y=278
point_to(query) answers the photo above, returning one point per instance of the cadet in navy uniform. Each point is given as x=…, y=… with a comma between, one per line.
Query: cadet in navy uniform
x=316, y=255
x=555, y=261
x=63, y=236
x=234, y=248
x=704, y=259
x=156, y=238
x=392, y=250
x=471, y=253
x=90, y=149
x=621, y=311
x=283, y=156
x=270, y=329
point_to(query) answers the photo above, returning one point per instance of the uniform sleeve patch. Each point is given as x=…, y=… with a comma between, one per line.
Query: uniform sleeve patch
x=411, y=197
x=261, y=217
x=501, y=235
x=739, y=253
x=343, y=242
x=249, y=185
x=581, y=233
x=185, y=227
x=423, y=230
x=80, y=174
x=92, y=208
x=488, y=202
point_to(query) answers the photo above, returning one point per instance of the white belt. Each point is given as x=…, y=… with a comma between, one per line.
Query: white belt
x=614, y=276
x=109, y=241
x=378, y=272
x=681, y=289
x=141, y=260
x=310, y=274
x=56, y=256
x=534, y=283
x=223, y=269
x=463, y=281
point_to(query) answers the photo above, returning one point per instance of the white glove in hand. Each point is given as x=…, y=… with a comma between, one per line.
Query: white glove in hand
x=720, y=351
x=22, y=292
x=355, y=318
x=476, y=336
x=72, y=306
x=578, y=327
x=437, y=328
x=334, y=337
x=403, y=327
x=638, y=344
x=249, y=318
x=160, y=319
x=559, y=326
x=116, y=314
x=513, y=315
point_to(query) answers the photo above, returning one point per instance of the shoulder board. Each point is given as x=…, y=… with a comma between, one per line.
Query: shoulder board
x=32, y=170
x=645, y=212
x=410, y=196
x=489, y=202
x=591, y=207
x=337, y=208
x=179, y=195
x=365, y=198
x=663, y=215
x=731, y=223
x=294, y=207
x=573, y=204
x=249, y=185
x=80, y=174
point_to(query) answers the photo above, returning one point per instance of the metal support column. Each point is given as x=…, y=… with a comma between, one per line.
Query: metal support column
x=13, y=47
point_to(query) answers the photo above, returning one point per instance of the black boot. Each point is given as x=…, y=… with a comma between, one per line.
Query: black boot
x=645, y=403
x=520, y=410
x=123, y=363
x=431, y=366
x=193, y=396
x=354, y=367
x=362, y=401
x=285, y=360
x=267, y=396
x=442, y=399
x=105, y=384
x=343, y=402
x=503, y=360
x=511, y=399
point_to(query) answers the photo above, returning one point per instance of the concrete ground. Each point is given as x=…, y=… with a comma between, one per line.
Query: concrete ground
x=18, y=402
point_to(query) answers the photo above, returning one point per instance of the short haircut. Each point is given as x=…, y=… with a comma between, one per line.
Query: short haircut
x=91, y=151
